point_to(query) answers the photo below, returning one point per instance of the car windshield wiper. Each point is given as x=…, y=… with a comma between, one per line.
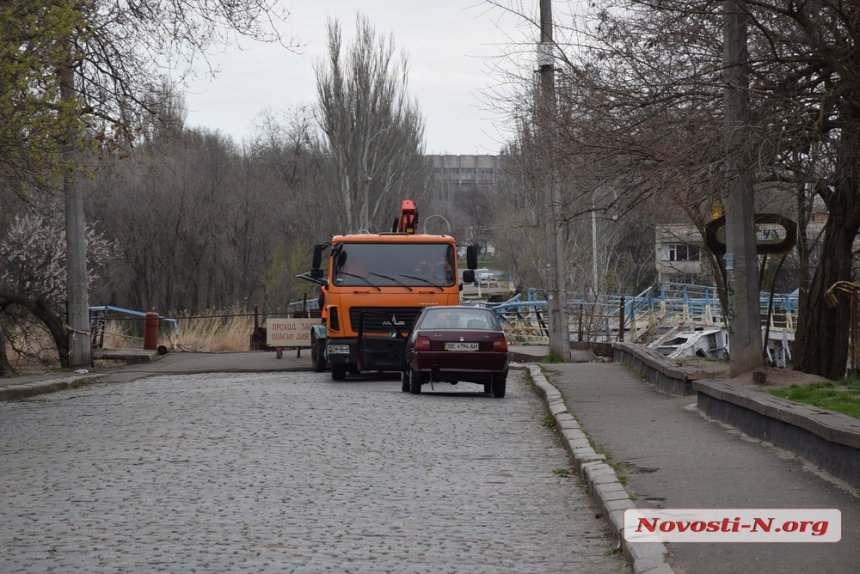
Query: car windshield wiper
x=363, y=278
x=392, y=279
x=424, y=280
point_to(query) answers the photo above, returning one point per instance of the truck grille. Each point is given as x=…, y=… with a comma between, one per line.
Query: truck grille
x=376, y=323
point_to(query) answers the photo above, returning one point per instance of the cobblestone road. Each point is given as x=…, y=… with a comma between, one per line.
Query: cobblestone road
x=289, y=472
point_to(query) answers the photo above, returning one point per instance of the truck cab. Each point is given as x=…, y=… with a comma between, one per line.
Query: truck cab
x=375, y=287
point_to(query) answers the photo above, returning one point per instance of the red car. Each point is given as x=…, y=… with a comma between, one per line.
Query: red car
x=452, y=344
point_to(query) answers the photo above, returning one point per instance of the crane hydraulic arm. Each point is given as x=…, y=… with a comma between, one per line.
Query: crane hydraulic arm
x=407, y=222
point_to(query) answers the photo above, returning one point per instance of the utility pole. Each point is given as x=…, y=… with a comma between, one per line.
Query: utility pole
x=743, y=317
x=77, y=302
x=559, y=339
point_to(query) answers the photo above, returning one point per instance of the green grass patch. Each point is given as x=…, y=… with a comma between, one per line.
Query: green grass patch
x=548, y=421
x=552, y=358
x=528, y=377
x=842, y=396
x=562, y=472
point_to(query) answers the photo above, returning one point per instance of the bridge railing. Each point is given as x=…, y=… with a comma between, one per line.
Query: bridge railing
x=611, y=317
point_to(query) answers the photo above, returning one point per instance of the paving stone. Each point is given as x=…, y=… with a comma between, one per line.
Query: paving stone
x=290, y=472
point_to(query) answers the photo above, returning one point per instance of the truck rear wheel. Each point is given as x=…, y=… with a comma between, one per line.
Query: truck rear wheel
x=317, y=353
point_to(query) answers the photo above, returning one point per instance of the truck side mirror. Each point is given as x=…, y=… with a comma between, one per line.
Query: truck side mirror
x=472, y=257
x=468, y=276
x=316, y=263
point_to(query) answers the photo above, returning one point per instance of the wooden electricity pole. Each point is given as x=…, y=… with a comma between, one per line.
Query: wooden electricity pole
x=559, y=339
x=743, y=315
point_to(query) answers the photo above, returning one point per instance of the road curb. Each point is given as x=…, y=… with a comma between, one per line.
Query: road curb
x=25, y=390
x=600, y=478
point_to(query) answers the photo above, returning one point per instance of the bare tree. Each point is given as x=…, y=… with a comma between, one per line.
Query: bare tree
x=205, y=224
x=284, y=161
x=641, y=95
x=373, y=130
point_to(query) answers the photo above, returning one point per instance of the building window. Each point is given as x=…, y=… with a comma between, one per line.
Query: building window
x=679, y=278
x=682, y=252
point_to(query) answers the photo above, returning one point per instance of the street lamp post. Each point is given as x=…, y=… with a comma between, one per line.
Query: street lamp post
x=440, y=217
x=595, y=277
x=559, y=338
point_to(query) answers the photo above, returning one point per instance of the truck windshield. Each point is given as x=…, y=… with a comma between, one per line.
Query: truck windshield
x=394, y=264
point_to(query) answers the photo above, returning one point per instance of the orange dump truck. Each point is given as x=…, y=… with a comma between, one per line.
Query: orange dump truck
x=376, y=285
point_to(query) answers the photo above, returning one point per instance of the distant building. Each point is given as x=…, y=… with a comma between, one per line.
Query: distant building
x=679, y=249
x=467, y=170
x=678, y=252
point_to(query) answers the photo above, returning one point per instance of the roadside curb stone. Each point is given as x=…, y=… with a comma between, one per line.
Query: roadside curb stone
x=25, y=390
x=602, y=482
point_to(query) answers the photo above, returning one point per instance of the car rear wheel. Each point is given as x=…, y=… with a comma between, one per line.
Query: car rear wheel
x=415, y=381
x=500, y=382
x=338, y=372
x=404, y=381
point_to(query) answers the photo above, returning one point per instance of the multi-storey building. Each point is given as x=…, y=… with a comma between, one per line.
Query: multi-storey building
x=467, y=170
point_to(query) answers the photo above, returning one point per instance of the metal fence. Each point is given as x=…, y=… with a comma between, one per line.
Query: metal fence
x=613, y=317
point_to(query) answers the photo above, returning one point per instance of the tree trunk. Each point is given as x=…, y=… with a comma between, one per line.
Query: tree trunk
x=6, y=368
x=42, y=311
x=57, y=328
x=821, y=342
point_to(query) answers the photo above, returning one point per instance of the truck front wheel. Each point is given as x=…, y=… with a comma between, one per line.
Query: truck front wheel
x=338, y=372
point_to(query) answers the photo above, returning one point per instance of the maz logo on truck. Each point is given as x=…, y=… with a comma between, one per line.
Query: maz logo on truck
x=394, y=321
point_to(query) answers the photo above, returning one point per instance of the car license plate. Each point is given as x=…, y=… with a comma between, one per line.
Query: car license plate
x=461, y=346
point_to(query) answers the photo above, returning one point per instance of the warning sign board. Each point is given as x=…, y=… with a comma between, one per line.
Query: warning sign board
x=289, y=332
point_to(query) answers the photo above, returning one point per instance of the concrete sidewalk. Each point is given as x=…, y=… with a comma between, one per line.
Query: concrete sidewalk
x=670, y=456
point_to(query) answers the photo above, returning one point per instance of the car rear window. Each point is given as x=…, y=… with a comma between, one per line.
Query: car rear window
x=460, y=319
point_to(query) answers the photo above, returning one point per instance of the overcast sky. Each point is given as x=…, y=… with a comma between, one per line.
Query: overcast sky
x=452, y=47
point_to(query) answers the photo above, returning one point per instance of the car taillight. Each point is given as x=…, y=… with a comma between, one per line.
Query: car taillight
x=422, y=344
x=500, y=345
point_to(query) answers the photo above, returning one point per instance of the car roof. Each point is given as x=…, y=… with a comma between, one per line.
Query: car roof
x=459, y=308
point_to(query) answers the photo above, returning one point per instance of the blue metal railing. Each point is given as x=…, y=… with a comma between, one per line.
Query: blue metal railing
x=99, y=314
x=602, y=313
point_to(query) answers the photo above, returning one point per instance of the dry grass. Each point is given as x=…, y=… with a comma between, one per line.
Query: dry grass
x=229, y=332
x=210, y=331
x=206, y=332
x=31, y=349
